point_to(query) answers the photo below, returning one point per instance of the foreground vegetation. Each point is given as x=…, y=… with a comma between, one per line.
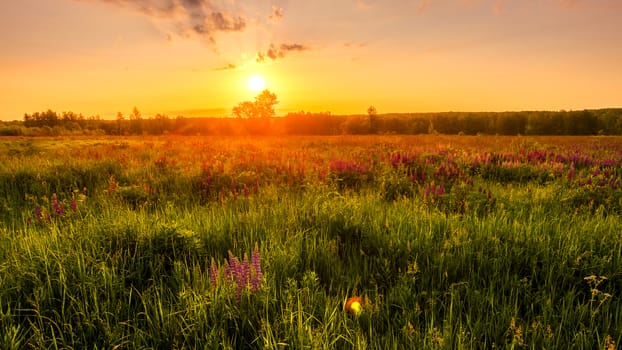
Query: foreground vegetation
x=454, y=242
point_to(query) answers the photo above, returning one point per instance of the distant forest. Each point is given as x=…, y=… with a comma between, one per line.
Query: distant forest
x=585, y=122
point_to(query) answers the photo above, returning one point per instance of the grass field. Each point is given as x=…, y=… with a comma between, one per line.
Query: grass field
x=463, y=242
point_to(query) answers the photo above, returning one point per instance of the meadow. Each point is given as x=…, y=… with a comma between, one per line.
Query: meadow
x=453, y=242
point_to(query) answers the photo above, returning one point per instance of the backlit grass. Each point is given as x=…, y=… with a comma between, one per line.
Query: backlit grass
x=458, y=242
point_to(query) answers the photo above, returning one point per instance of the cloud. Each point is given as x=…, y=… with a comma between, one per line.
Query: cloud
x=204, y=19
x=277, y=14
x=353, y=45
x=228, y=66
x=293, y=47
x=225, y=22
x=200, y=18
x=276, y=52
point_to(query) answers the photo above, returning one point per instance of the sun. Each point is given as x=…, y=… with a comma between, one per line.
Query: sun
x=256, y=83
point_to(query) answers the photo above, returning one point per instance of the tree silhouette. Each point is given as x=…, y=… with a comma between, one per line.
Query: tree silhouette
x=120, y=121
x=265, y=102
x=245, y=109
x=262, y=107
x=136, y=122
x=372, y=112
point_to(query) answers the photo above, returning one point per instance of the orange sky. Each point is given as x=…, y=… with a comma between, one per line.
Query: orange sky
x=194, y=57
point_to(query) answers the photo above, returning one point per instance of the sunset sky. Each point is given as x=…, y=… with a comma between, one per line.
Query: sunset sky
x=195, y=57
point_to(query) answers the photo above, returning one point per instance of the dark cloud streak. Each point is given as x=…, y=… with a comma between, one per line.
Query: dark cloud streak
x=191, y=17
x=277, y=14
x=276, y=52
x=229, y=66
x=204, y=19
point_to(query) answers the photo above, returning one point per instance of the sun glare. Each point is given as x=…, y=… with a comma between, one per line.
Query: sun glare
x=256, y=83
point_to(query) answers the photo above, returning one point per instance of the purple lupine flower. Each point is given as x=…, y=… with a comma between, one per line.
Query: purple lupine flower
x=441, y=189
x=238, y=272
x=38, y=212
x=395, y=160
x=243, y=274
x=256, y=265
x=234, y=191
x=233, y=263
x=246, y=271
x=571, y=172
x=58, y=208
x=428, y=189
x=609, y=162
x=74, y=204
x=227, y=273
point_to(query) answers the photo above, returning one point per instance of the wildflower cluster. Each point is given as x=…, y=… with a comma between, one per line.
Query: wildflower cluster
x=241, y=275
x=53, y=208
x=219, y=185
x=433, y=189
x=349, y=174
x=596, y=177
x=598, y=297
x=515, y=331
x=435, y=168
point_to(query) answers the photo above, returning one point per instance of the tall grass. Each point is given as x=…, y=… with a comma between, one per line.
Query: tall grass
x=507, y=265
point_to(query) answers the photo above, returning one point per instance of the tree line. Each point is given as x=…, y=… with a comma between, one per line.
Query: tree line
x=262, y=121
x=51, y=123
x=586, y=122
